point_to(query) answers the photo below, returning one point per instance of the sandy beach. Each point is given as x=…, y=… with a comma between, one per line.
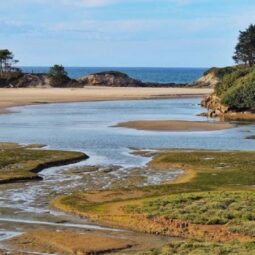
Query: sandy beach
x=175, y=125
x=24, y=96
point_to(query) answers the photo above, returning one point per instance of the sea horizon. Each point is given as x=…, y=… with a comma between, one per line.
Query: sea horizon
x=145, y=74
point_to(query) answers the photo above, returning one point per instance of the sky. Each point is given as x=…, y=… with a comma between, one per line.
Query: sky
x=128, y=33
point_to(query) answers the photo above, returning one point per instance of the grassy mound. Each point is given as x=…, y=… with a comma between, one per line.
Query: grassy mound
x=19, y=163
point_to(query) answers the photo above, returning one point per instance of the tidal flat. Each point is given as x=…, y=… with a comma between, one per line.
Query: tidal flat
x=212, y=202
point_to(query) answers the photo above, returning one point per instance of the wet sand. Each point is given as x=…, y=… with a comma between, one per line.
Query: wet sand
x=25, y=96
x=175, y=125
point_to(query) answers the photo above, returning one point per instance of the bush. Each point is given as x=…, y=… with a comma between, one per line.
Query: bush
x=241, y=95
x=228, y=80
x=236, y=87
x=58, y=76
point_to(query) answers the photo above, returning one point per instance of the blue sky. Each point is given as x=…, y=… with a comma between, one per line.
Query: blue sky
x=155, y=33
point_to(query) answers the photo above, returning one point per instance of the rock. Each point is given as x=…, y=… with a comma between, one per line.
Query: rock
x=108, y=79
x=42, y=81
x=214, y=106
x=119, y=79
x=111, y=79
x=32, y=80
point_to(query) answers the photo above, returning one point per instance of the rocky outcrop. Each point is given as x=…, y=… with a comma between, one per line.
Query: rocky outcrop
x=41, y=81
x=209, y=80
x=31, y=80
x=217, y=109
x=214, y=106
x=112, y=79
x=118, y=79
x=107, y=79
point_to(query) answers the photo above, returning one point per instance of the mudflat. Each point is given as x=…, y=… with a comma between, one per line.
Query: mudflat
x=175, y=125
x=24, y=96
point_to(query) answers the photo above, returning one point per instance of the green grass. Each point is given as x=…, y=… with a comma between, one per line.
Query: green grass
x=23, y=163
x=202, y=248
x=218, y=189
x=213, y=171
x=231, y=208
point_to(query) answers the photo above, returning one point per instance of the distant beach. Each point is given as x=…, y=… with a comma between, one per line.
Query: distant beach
x=27, y=96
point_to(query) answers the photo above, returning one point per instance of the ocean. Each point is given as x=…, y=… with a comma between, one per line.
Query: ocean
x=145, y=74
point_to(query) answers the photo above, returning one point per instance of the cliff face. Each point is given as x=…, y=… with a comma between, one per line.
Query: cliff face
x=210, y=78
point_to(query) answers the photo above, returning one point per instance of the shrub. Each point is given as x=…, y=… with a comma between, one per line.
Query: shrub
x=241, y=95
x=228, y=80
x=58, y=76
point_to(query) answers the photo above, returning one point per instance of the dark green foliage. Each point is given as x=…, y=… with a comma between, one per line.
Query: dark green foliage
x=236, y=87
x=8, y=72
x=58, y=76
x=245, y=49
x=239, y=93
x=57, y=71
x=229, y=78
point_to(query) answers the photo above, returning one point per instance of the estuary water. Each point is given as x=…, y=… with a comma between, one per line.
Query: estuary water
x=88, y=127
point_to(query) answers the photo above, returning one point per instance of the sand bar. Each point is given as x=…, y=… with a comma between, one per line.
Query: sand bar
x=24, y=96
x=175, y=125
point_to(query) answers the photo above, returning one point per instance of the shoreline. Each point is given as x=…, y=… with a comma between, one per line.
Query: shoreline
x=14, y=97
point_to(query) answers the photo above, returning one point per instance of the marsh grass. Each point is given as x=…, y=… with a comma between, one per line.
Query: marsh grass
x=23, y=163
x=202, y=248
x=236, y=209
x=217, y=188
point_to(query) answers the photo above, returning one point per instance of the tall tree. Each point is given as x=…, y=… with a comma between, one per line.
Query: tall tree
x=245, y=48
x=6, y=62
